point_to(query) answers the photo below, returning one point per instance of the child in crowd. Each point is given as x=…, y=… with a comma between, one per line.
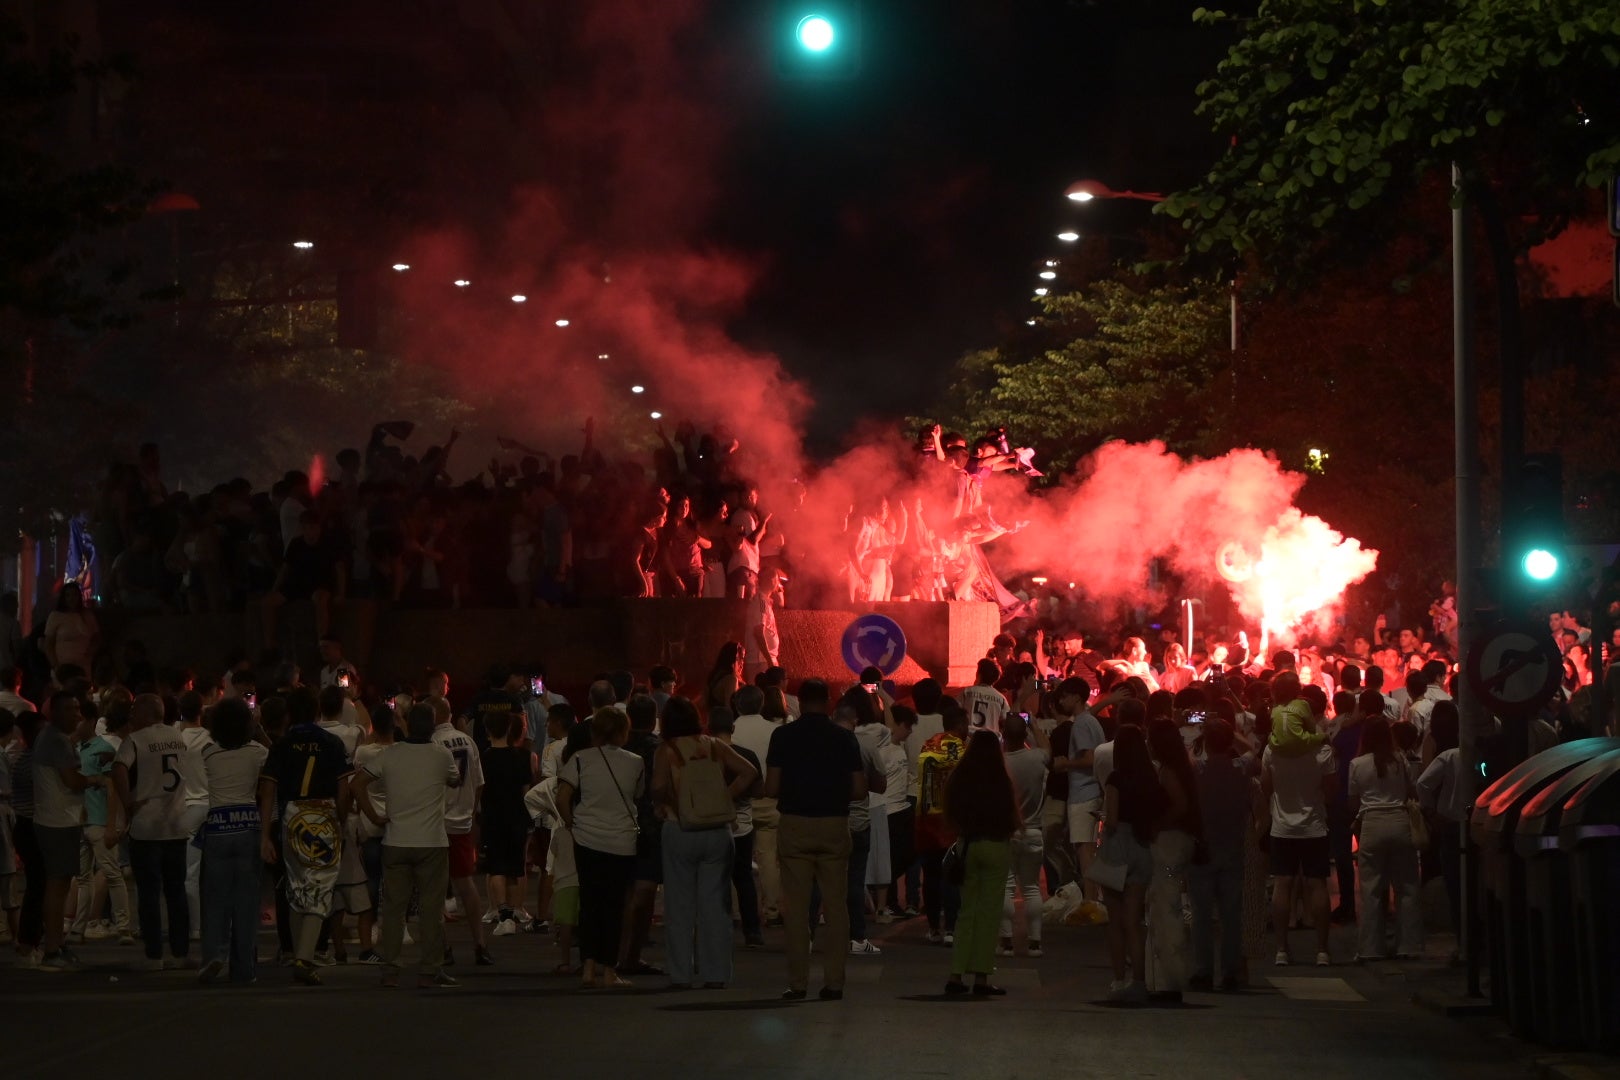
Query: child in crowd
x=1294, y=730
x=561, y=876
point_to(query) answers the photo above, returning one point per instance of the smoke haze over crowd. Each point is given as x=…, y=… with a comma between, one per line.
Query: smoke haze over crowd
x=648, y=302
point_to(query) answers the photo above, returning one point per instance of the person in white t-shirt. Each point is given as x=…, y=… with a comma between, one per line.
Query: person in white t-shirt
x=156, y=773
x=1298, y=788
x=983, y=703
x=753, y=732
x=419, y=779
x=764, y=640
x=232, y=762
x=460, y=812
x=197, y=737
x=59, y=786
x=336, y=671
x=333, y=700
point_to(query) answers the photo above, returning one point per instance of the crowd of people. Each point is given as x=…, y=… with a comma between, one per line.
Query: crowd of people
x=688, y=520
x=159, y=807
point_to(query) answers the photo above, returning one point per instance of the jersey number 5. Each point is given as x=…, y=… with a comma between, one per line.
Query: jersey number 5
x=171, y=775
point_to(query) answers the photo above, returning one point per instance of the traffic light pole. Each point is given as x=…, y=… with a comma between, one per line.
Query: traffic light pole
x=1466, y=424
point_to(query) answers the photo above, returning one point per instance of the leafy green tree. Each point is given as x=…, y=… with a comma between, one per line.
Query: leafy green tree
x=1114, y=359
x=1338, y=110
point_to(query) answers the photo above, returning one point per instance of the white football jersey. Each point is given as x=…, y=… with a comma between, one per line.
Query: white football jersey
x=461, y=803
x=164, y=770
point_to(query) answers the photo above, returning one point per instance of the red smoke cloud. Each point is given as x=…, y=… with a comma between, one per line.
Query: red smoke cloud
x=614, y=247
x=618, y=252
x=1229, y=519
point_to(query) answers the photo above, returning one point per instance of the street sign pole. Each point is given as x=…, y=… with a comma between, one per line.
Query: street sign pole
x=1465, y=418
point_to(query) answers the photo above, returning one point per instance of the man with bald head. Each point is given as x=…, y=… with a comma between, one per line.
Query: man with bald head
x=153, y=773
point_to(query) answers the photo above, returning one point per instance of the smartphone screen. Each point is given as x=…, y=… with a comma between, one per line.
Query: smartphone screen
x=537, y=686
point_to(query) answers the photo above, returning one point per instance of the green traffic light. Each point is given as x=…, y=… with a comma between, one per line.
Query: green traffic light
x=816, y=33
x=1540, y=564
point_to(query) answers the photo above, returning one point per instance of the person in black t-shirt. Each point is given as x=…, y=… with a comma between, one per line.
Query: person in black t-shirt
x=302, y=791
x=814, y=770
x=499, y=695
x=505, y=821
x=310, y=570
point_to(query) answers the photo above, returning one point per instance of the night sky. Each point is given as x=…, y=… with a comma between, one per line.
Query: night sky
x=891, y=221
x=908, y=208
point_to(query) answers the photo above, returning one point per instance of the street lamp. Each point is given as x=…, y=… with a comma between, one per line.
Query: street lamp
x=1083, y=191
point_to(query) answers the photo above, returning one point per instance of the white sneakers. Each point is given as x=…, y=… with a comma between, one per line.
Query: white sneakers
x=1322, y=959
x=864, y=947
x=506, y=928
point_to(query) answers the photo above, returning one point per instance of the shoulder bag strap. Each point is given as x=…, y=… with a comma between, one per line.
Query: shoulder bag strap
x=634, y=821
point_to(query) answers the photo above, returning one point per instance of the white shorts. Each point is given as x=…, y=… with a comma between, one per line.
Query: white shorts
x=1083, y=819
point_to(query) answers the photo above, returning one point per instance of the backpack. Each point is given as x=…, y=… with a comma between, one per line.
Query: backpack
x=702, y=796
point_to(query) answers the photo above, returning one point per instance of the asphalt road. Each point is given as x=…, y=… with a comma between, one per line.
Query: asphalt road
x=514, y=1020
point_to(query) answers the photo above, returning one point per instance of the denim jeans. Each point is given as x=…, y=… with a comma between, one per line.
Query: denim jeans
x=1216, y=888
x=697, y=903
x=160, y=881
x=230, y=901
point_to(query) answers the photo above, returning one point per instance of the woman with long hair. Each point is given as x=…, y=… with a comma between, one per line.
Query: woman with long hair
x=683, y=550
x=1385, y=855
x=1133, y=801
x=981, y=806
x=725, y=678
x=1181, y=831
x=697, y=858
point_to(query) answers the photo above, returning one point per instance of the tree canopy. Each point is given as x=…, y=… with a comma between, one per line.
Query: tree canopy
x=1114, y=359
x=1337, y=109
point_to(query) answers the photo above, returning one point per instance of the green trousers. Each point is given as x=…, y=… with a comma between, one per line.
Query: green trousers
x=979, y=921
